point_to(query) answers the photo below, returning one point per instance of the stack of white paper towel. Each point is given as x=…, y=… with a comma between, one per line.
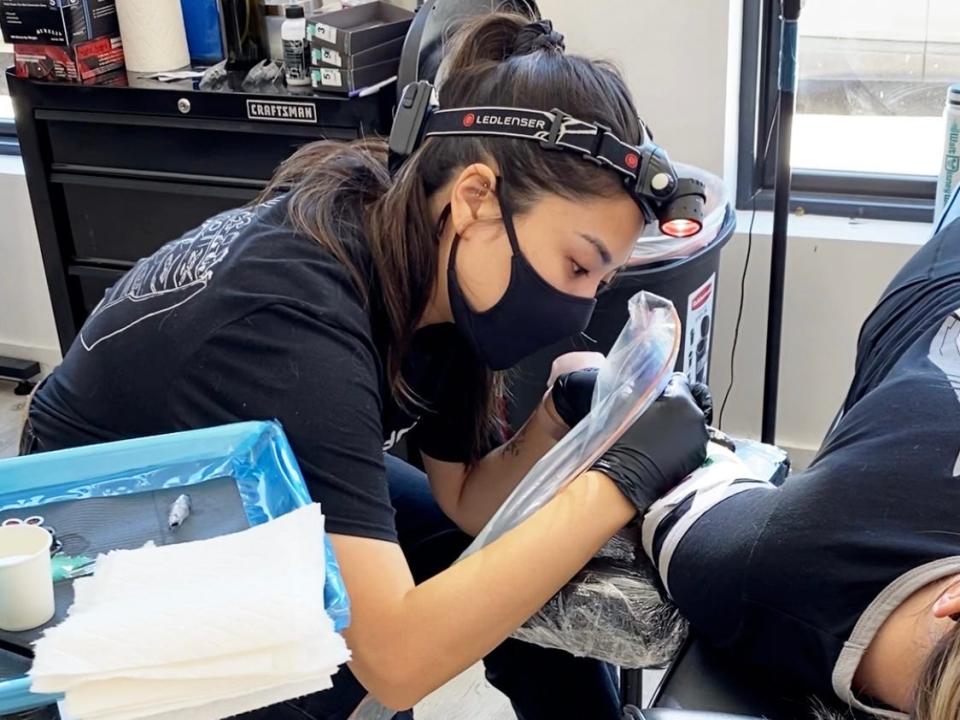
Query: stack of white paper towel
x=197, y=631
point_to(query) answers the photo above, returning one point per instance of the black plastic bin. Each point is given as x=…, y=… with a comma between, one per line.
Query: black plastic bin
x=689, y=283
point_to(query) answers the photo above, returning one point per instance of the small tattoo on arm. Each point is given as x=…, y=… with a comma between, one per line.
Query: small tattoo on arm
x=515, y=446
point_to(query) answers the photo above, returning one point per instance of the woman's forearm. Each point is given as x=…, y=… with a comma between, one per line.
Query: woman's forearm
x=492, y=479
x=449, y=622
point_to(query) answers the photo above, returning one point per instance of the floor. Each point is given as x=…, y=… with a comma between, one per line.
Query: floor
x=467, y=697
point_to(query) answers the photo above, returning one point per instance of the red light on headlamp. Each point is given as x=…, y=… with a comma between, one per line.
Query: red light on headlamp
x=681, y=228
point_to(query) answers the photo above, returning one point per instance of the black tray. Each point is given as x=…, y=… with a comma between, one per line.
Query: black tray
x=348, y=80
x=323, y=56
x=353, y=30
x=97, y=525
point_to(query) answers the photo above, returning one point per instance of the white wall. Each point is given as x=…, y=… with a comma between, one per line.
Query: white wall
x=27, y=329
x=832, y=284
x=675, y=57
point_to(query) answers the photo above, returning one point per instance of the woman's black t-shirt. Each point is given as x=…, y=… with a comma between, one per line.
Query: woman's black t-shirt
x=245, y=319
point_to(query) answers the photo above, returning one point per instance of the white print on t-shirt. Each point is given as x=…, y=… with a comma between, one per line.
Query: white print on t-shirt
x=945, y=354
x=396, y=436
x=720, y=478
x=172, y=276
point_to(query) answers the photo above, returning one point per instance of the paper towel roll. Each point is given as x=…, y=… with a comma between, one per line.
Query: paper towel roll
x=153, y=33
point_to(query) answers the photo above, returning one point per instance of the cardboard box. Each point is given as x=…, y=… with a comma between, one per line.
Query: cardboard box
x=347, y=80
x=83, y=62
x=57, y=22
x=353, y=30
x=328, y=57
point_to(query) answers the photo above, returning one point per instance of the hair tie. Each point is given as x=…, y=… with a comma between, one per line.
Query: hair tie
x=537, y=36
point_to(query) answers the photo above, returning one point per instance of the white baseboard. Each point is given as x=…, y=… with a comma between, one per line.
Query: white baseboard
x=48, y=358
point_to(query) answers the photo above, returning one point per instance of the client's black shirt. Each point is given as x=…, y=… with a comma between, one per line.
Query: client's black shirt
x=245, y=319
x=796, y=580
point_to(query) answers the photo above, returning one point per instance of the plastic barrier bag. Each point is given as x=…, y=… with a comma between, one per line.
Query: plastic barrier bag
x=653, y=246
x=635, y=373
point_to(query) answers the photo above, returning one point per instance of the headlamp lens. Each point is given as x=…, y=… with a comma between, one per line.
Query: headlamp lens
x=681, y=228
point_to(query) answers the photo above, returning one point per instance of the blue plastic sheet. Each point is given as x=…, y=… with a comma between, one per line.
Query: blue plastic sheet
x=256, y=454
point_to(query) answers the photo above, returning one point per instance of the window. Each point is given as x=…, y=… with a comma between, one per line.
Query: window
x=868, y=133
x=8, y=141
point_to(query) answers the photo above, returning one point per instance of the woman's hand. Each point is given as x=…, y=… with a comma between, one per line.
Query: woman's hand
x=572, y=395
x=570, y=390
x=569, y=400
x=664, y=446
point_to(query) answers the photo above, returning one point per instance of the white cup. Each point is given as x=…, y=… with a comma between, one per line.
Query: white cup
x=26, y=578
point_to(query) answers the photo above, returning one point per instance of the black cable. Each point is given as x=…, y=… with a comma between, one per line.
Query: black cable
x=736, y=331
x=746, y=268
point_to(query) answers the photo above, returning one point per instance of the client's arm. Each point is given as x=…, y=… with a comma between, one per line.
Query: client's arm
x=699, y=538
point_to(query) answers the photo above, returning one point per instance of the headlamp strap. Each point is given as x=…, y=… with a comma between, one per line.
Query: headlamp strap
x=554, y=130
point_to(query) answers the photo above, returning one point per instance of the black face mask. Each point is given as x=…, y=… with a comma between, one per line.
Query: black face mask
x=531, y=315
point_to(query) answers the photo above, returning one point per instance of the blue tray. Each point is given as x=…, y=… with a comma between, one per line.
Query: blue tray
x=256, y=454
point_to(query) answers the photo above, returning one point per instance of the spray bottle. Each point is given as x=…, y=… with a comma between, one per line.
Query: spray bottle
x=950, y=172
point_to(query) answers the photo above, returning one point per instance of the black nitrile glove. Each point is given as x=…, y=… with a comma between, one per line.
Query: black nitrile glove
x=572, y=394
x=704, y=399
x=659, y=450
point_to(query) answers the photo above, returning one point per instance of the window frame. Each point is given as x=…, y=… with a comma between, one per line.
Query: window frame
x=823, y=192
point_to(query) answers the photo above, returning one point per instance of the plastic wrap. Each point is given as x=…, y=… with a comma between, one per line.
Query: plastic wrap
x=255, y=454
x=653, y=246
x=764, y=461
x=611, y=611
x=635, y=373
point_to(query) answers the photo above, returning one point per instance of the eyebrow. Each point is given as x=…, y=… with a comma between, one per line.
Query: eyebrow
x=599, y=247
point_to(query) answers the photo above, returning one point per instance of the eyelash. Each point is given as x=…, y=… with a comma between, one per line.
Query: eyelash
x=579, y=270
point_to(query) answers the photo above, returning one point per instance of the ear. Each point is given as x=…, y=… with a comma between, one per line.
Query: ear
x=473, y=197
x=948, y=604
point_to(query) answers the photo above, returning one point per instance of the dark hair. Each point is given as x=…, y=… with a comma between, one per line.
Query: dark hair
x=499, y=59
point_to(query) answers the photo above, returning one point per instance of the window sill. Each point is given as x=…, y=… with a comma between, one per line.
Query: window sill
x=9, y=146
x=11, y=165
x=824, y=227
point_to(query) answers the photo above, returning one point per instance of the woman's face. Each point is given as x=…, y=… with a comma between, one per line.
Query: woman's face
x=575, y=246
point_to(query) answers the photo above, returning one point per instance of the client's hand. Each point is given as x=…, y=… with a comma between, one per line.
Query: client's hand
x=659, y=450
